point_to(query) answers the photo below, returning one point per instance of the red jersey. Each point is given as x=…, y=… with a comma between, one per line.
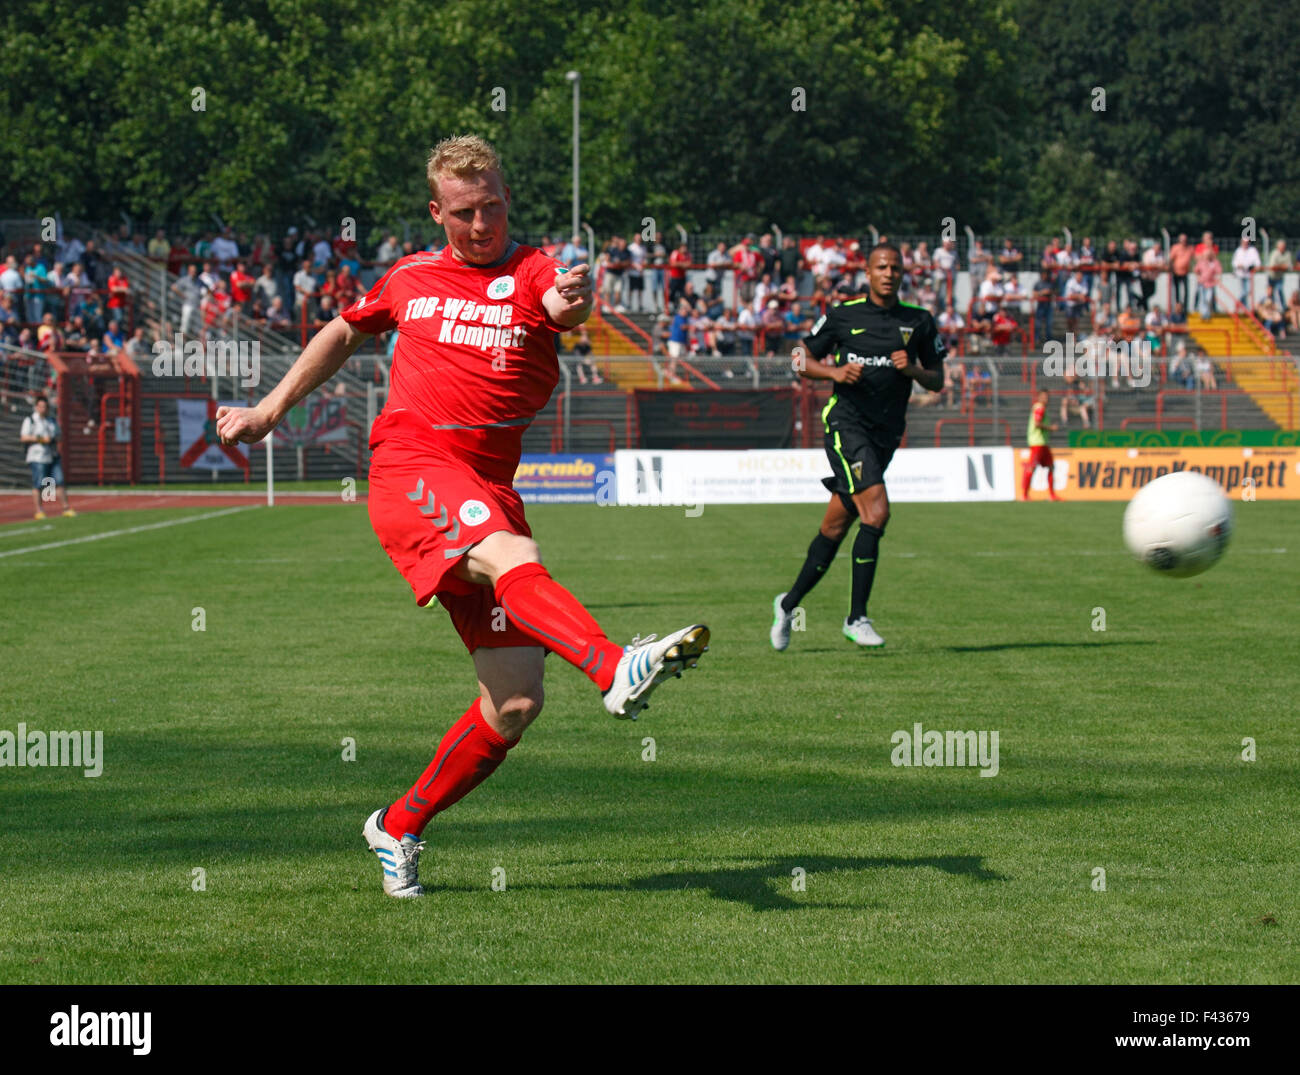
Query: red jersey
x=241, y=286
x=475, y=357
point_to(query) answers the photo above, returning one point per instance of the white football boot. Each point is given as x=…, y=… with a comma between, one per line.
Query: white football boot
x=399, y=858
x=646, y=663
x=781, y=620
x=861, y=632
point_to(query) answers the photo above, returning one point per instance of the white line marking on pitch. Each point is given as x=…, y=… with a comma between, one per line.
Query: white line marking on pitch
x=26, y=530
x=128, y=530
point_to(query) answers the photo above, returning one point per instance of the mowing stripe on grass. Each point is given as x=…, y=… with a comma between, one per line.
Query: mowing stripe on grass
x=128, y=530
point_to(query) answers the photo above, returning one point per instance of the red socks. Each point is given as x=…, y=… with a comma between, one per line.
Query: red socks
x=544, y=610
x=468, y=754
x=1026, y=476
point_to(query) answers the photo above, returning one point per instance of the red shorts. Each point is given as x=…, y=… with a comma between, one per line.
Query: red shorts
x=427, y=512
x=1040, y=456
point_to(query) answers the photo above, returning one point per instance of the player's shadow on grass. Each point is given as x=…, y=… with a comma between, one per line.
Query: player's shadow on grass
x=768, y=886
x=997, y=646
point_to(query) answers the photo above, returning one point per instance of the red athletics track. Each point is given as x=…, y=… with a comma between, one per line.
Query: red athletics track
x=17, y=507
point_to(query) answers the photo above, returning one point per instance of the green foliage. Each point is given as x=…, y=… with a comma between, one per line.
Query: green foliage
x=814, y=114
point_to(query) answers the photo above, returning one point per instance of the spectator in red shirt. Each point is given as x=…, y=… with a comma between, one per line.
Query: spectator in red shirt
x=241, y=287
x=215, y=306
x=345, y=250
x=748, y=263
x=119, y=290
x=678, y=260
x=1002, y=328
x=345, y=287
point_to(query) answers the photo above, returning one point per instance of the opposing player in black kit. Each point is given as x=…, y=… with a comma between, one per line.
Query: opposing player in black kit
x=877, y=347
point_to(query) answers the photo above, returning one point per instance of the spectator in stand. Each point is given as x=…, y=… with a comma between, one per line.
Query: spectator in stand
x=580, y=344
x=261, y=253
x=922, y=264
x=1047, y=263
x=1076, y=398
x=769, y=256
x=748, y=263
x=34, y=279
x=11, y=281
x=1153, y=264
x=951, y=326
x=573, y=252
x=980, y=260
x=1207, y=243
x=908, y=259
x=326, y=311
x=1086, y=262
x=1208, y=273
x=944, y=267
x=702, y=331
x=549, y=247
x=1010, y=259
x=788, y=291
x=834, y=258
x=8, y=322
x=265, y=290
x=614, y=264
x=678, y=260
x=91, y=312
x=1076, y=300
x=56, y=294
x=215, y=307
x=91, y=264
x=773, y=328
x=159, y=248
x=1205, y=371
x=1002, y=329
x=1177, y=320
x=112, y=341
x=388, y=253
x=1181, y=256
x=346, y=286
x=724, y=336
x=659, y=337
x=1293, y=311
x=224, y=251
x=287, y=263
x=656, y=261
x=1109, y=291
x=925, y=295
x=241, y=288
x=177, y=257
x=190, y=290
x=718, y=262
x=1044, y=301
x=305, y=287
x=1181, y=369
x=678, y=338
x=790, y=259
x=636, y=257
x=78, y=339
x=980, y=320
x=813, y=256
x=797, y=325
x=1245, y=263
x=763, y=291
x=208, y=276
x=991, y=291
x=119, y=291
x=40, y=433
x=277, y=317
x=1280, y=263
x=137, y=347
x=746, y=331
x=48, y=337
x=345, y=254
x=1270, y=314
x=1130, y=263
x=1155, y=324
x=322, y=253
x=689, y=295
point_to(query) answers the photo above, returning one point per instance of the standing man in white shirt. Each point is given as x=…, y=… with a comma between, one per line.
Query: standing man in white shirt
x=1245, y=263
x=40, y=433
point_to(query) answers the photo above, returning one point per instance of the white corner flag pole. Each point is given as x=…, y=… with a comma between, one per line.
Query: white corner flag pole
x=269, y=440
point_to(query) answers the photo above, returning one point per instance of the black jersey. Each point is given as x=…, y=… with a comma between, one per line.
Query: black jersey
x=859, y=331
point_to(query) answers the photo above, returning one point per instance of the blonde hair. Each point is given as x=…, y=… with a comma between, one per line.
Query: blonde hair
x=463, y=156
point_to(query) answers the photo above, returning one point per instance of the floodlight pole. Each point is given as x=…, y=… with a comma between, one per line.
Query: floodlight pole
x=575, y=78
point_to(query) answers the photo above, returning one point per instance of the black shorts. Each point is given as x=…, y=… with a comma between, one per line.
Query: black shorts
x=858, y=457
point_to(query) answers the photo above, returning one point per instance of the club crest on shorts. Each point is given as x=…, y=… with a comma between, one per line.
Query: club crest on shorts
x=501, y=288
x=473, y=512
x=906, y=333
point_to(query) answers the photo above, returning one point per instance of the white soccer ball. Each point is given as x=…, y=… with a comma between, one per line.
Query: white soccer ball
x=1179, y=524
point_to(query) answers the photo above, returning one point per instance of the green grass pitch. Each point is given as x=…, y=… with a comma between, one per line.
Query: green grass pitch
x=1120, y=750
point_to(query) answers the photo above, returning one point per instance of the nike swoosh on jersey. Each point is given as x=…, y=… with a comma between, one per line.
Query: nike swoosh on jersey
x=856, y=331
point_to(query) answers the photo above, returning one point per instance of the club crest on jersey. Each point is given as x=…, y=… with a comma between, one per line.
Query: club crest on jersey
x=501, y=288
x=906, y=333
x=473, y=512
x=857, y=469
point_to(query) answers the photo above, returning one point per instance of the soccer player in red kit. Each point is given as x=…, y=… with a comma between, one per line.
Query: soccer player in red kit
x=475, y=362
x=1040, y=452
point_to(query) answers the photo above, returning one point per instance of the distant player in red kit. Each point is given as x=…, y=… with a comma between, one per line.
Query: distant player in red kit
x=1040, y=452
x=475, y=362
